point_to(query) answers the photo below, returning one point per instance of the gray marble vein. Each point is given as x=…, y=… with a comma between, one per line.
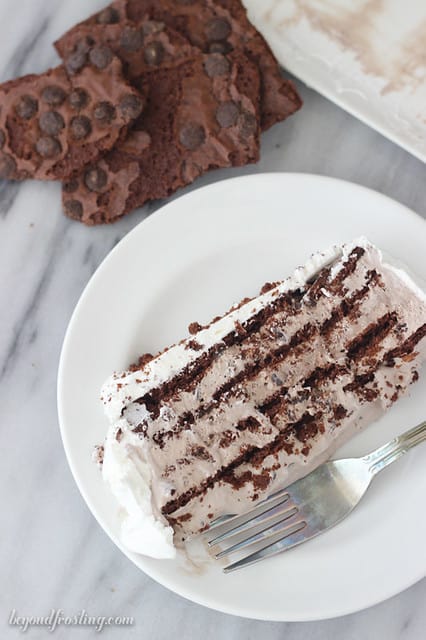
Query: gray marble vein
x=52, y=552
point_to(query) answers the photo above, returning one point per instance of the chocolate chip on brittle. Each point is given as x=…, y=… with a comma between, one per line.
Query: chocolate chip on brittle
x=101, y=57
x=227, y=114
x=154, y=53
x=149, y=27
x=53, y=95
x=51, y=122
x=131, y=39
x=131, y=106
x=81, y=127
x=218, y=29
x=95, y=179
x=216, y=65
x=74, y=209
x=104, y=112
x=48, y=147
x=78, y=99
x=108, y=16
x=192, y=135
x=69, y=186
x=26, y=107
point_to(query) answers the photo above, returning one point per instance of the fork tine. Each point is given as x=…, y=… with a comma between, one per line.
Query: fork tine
x=219, y=522
x=264, y=533
x=250, y=519
x=292, y=538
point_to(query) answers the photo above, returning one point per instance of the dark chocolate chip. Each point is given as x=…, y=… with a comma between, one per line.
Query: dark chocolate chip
x=218, y=29
x=100, y=57
x=73, y=209
x=152, y=26
x=216, y=65
x=220, y=47
x=78, y=58
x=51, y=122
x=108, y=16
x=48, y=147
x=53, y=95
x=26, y=107
x=131, y=39
x=247, y=123
x=227, y=114
x=70, y=186
x=131, y=107
x=76, y=61
x=185, y=2
x=78, y=98
x=95, y=179
x=7, y=166
x=192, y=136
x=104, y=112
x=2, y=139
x=80, y=127
x=154, y=53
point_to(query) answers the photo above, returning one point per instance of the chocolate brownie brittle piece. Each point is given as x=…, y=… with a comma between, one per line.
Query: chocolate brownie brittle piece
x=141, y=46
x=200, y=115
x=55, y=123
x=214, y=26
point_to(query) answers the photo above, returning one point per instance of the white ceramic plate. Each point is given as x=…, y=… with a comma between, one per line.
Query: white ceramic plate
x=190, y=261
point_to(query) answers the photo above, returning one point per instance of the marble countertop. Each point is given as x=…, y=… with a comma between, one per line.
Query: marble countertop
x=53, y=555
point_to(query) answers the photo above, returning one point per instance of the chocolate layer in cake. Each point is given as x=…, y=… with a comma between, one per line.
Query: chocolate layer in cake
x=261, y=396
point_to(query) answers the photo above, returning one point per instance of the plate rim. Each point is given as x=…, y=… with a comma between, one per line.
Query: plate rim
x=152, y=219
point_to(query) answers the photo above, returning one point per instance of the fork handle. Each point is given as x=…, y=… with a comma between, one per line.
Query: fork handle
x=393, y=450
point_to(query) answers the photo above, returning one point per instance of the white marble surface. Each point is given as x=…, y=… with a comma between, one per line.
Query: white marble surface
x=52, y=552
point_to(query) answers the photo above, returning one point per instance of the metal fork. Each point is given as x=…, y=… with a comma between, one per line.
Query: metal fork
x=308, y=507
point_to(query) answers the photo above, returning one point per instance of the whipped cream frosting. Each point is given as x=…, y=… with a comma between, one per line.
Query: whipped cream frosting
x=143, y=477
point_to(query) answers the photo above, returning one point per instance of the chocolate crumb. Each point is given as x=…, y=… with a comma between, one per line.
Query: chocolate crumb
x=194, y=328
x=194, y=345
